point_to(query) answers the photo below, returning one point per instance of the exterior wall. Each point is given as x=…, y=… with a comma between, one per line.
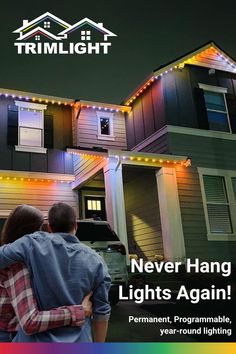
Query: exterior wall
x=55, y=160
x=172, y=100
x=147, y=115
x=210, y=153
x=142, y=215
x=39, y=194
x=87, y=130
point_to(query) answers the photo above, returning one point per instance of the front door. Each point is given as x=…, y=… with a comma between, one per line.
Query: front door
x=95, y=207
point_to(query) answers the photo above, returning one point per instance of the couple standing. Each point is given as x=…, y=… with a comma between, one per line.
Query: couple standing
x=63, y=273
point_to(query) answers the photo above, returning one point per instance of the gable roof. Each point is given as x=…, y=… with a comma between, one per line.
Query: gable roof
x=95, y=25
x=209, y=55
x=39, y=30
x=40, y=18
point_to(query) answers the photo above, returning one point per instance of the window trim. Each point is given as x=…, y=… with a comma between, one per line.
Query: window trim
x=109, y=115
x=227, y=174
x=37, y=106
x=223, y=91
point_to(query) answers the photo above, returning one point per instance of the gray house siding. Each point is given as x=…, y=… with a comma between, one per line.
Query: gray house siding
x=209, y=153
x=142, y=214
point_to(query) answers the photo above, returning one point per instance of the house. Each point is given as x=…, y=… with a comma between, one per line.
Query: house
x=161, y=167
x=85, y=26
x=34, y=167
x=46, y=23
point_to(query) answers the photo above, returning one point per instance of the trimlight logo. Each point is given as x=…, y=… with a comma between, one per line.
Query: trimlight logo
x=48, y=34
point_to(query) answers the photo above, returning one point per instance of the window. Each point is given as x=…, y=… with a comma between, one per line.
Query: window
x=219, y=199
x=30, y=127
x=94, y=205
x=217, y=204
x=46, y=24
x=37, y=38
x=85, y=35
x=105, y=126
x=216, y=106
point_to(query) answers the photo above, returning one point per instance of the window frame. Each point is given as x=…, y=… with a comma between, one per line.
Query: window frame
x=223, y=91
x=110, y=116
x=39, y=107
x=227, y=175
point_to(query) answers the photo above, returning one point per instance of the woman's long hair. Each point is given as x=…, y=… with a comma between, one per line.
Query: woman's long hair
x=23, y=220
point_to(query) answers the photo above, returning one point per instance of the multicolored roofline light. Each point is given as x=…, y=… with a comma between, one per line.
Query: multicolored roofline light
x=35, y=97
x=134, y=158
x=109, y=107
x=209, y=56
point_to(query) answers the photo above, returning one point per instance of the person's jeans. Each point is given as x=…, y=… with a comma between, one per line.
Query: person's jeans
x=6, y=336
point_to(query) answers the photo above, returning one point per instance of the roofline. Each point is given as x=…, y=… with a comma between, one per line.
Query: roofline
x=40, y=17
x=109, y=33
x=32, y=95
x=97, y=105
x=134, y=158
x=27, y=34
x=169, y=66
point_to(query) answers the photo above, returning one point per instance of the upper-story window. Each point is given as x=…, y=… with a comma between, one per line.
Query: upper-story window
x=30, y=127
x=216, y=106
x=105, y=125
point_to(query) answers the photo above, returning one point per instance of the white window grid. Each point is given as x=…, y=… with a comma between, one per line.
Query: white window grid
x=37, y=38
x=47, y=24
x=85, y=35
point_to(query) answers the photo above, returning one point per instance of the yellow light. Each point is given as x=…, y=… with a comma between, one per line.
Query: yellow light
x=131, y=158
x=53, y=102
x=22, y=179
x=40, y=100
x=8, y=178
x=168, y=161
x=15, y=178
x=146, y=159
x=160, y=161
x=59, y=102
x=153, y=160
x=33, y=99
x=46, y=101
x=139, y=158
x=0, y=177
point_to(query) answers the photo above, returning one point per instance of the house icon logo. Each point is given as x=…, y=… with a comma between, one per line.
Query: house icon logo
x=48, y=34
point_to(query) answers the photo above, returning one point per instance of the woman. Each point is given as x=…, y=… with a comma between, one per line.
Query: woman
x=18, y=305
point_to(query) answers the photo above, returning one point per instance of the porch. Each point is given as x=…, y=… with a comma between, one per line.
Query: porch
x=137, y=193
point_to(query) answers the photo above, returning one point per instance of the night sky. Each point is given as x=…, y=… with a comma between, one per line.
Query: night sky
x=150, y=33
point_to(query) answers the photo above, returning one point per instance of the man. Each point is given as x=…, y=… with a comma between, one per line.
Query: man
x=63, y=272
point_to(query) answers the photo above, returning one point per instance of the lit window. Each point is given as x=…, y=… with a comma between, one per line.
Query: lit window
x=85, y=35
x=31, y=126
x=37, y=38
x=46, y=24
x=94, y=205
